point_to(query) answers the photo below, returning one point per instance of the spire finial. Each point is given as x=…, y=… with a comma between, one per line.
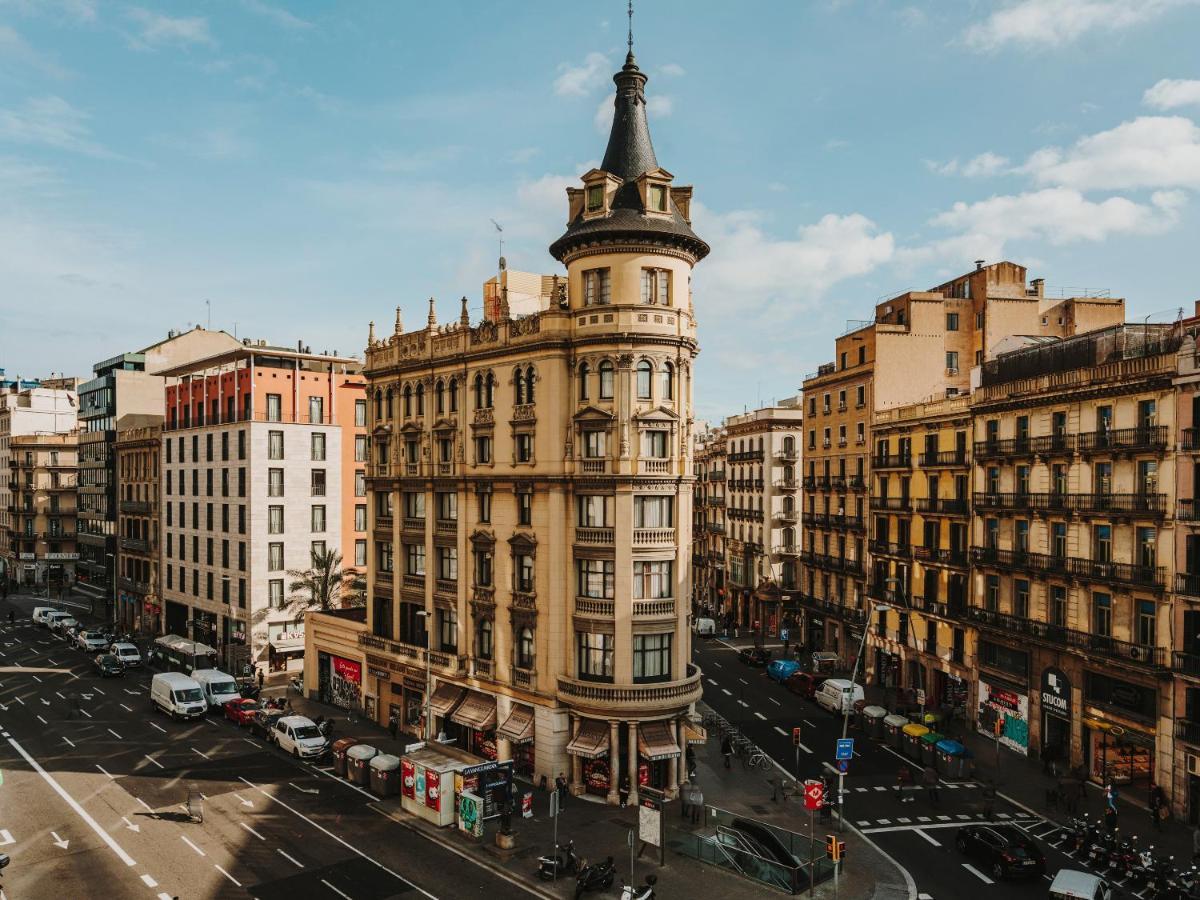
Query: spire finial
x=371, y=335
x=464, y=317
x=631, y=27
x=432, y=314
x=399, y=322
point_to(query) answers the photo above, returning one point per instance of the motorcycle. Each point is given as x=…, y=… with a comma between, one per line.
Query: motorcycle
x=1143, y=868
x=1098, y=852
x=629, y=892
x=1160, y=883
x=563, y=862
x=595, y=877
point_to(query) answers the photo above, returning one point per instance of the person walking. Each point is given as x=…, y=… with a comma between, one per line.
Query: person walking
x=727, y=750
x=260, y=679
x=697, y=803
x=1157, y=803
x=623, y=790
x=930, y=780
x=904, y=780
x=989, y=798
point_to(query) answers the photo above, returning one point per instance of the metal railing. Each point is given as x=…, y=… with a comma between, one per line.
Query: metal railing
x=1071, y=566
x=892, y=461
x=1144, y=504
x=1142, y=655
x=931, y=459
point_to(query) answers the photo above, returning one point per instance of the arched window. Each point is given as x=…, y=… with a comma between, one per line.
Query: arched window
x=606, y=380
x=420, y=399
x=484, y=646
x=519, y=387
x=453, y=395
x=439, y=391
x=529, y=384
x=378, y=404
x=789, y=445
x=390, y=410
x=525, y=648
x=490, y=390
x=584, y=371
x=407, y=400
x=479, y=391
x=645, y=375
x=666, y=382
x=789, y=504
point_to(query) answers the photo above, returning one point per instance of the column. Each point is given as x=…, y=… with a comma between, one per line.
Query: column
x=503, y=745
x=681, y=774
x=576, y=767
x=633, y=763
x=614, y=756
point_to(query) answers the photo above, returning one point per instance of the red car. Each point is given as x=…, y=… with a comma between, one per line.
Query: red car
x=806, y=684
x=240, y=712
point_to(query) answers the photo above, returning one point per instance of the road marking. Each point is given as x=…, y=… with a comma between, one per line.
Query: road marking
x=252, y=743
x=328, y=773
x=781, y=731
x=145, y=806
x=52, y=662
x=243, y=800
x=880, y=787
x=205, y=755
x=124, y=707
x=85, y=712
x=132, y=693
x=155, y=761
x=304, y=790
x=743, y=681
x=68, y=740
x=711, y=681
x=159, y=727
x=79, y=810
x=98, y=691
x=808, y=723
x=727, y=692
x=150, y=882
x=38, y=680
x=922, y=833
x=923, y=819
x=19, y=700
x=943, y=818
x=114, y=734
x=760, y=715
x=743, y=703
x=291, y=859
x=329, y=833
x=227, y=875
x=60, y=696
x=101, y=768
x=251, y=830
x=193, y=846
x=776, y=702
x=904, y=820
x=885, y=821
x=962, y=817
x=43, y=721
x=974, y=871
x=335, y=890
x=718, y=665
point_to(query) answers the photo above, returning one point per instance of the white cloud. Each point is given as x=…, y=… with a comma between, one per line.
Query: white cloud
x=751, y=270
x=581, y=80
x=524, y=154
x=1148, y=152
x=1171, y=93
x=836, y=144
x=15, y=50
x=984, y=165
x=672, y=70
x=659, y=106
x=279, y=16
x=1053, y=23
x=157, y=29
x=51, y=122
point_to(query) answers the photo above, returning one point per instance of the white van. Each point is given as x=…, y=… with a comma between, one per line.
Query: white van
x=54, y=620
x=298, y=736
x=177, y=695
x=40, y=613
x=838, y=695
x=218, y=687
x=706, y=628
x=1071, y=884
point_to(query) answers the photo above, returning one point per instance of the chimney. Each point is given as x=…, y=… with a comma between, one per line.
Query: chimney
x=978, y=264
x=1039, y=287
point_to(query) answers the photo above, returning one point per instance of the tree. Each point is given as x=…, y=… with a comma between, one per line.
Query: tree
x=325, y=586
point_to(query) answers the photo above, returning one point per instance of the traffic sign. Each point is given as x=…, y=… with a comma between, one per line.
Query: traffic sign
x=845, y=748
x=783, y=634
x=814, y=794
x=843, y=766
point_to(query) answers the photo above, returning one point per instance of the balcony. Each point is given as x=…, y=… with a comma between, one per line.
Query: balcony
x=414, y=582
x=943, y=557
x=746, y=456
x=784, y=484
x=835, y=608
x=787, y=516
x=1124, y=440
x=653, y=537
x=1187, y=730
x=715, y=528
x=1139, y=655
x=587, y=535
x=593, y=466
x=135, y=506
x=787, y=455
x=654, y=609
x=884, y=548
x=134, y=587
x=830, y=562
x=1186, y=510
x=892, y=461
x=1103, y=504
x=445, y=469
x=717, y=475
x=892, y=504
x=135, y=545
x=446, y=526
x=1187, y=583
x=1186, y=662
x=945, y=506
x=943, y=458
x=642, y=697
x=787, y=550
x=856, y=483
x=410, y=523
x=654, y=466
x=1189, y=439
x=446, y=586
x=1151, y=577
x=384, y=577
x=381, y=470
x=588, y=606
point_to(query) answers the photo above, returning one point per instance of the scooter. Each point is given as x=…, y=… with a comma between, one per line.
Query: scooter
x=563, y=862
x=629, y=892
x=595, y=877
x=1143, y=868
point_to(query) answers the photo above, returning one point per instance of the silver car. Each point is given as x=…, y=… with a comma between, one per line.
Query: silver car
x=91, y=641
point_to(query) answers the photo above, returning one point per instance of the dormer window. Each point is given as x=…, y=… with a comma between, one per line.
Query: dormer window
x=657, y=198
x=595, y=197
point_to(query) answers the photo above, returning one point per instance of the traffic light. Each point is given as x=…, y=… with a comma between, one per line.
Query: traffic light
x=834, y=849
x=796, y=736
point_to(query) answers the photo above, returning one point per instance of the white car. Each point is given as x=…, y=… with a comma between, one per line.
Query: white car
x=298, y=736
x=127, y=653
x=91, y=641
x=61, y=623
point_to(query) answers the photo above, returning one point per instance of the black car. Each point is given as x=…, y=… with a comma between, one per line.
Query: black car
x=755, y=656
x=263, y=721
x=1007, y=851
x=108, y=665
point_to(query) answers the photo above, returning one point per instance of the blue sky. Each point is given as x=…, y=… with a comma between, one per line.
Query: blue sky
x=306, y=167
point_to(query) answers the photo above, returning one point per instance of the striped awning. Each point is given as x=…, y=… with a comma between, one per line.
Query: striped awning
x=445, y=698
x=477, y=711
x=591, y=741
x=694, y=733
x=655, y=741
x=518, y=727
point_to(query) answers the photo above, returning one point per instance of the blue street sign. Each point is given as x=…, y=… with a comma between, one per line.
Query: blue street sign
x=845, y=748
x=843, y=766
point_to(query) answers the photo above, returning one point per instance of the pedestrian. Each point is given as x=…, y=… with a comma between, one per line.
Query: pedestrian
x=904, y=780
x=989, y=798
x=697, y=803
x=393, y=724
x=930, y=780
x=1158, y=803
x=727, y=750
x=1110, y=819
x=690, y=759
x=560, y=785
x=685, y=799
x=260, y=679
x=623, y=790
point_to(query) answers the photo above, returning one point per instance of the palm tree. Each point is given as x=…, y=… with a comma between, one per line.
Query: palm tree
x=325, y=586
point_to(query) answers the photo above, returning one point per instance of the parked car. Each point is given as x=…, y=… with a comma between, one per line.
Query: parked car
x=63, y=625
x=1071, y=884
x=806, y=684
x=298, y=736
x=127, y=653
x=706, y=628
x=218, y=687
x=241, y=712
x=782, y=669
x=838, y=695
x=40, y=613
x=1007, y=851
x=177, y=695
x=91, y=641
x=755, y=656
x=263, y=721
x=108, y=666
x=51, y=619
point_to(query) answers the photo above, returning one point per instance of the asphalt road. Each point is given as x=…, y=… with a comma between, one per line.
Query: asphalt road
x=92, y=803
x=916, y=833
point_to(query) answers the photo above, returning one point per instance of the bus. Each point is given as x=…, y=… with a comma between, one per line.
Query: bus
x=176, y=654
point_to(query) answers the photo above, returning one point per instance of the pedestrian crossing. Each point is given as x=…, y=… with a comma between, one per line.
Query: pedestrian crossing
x=910, y=823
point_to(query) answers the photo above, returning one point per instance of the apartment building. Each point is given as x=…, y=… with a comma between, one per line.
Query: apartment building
x=1073, y=531
x=263, y=464
x=26, y=408
x=138, y=448
x=42, y=469
x=709, y=526
x=531, y=499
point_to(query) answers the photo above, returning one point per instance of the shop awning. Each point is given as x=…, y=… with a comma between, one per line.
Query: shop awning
x=477, y=711
x=518, y=727
x=694, y=733
x=655, y=741
x=292, y=646
x=592, y=740
x=445, y=698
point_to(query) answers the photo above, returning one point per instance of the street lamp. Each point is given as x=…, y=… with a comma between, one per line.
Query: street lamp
x=114, y=582
x=862, y=646
x=426, y=615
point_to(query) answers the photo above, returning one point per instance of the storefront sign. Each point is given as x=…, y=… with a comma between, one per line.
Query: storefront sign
x=1007, y=710
x=1056, y=693
x=408, y=779
x=62, y=556
x=527, y=805
x=650, y=819
x=470, y=814
x=433, y=789
x=377, y=673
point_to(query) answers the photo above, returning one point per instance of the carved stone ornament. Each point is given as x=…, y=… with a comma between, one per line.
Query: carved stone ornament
x=625, y=361
x=485, y=333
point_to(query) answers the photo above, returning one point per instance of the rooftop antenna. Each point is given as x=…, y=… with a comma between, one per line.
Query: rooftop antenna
x=500, y=229
x=208, y=307
x=631, y=27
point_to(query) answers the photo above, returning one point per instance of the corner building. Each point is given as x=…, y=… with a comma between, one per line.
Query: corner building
x=530, y=490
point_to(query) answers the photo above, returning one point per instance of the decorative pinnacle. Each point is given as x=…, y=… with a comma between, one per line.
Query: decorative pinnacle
x=464, y=317
x=631, y=27
x=399, y=322
x=432, y=314
x=371, y=334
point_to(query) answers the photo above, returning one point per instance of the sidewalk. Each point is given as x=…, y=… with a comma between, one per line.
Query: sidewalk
x=600, y=830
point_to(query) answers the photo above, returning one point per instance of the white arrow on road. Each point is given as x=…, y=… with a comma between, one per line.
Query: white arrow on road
x=45, y=702
x=130, y=825
x=132, y=693
x=304, y=790
x=245, y=802
x=6, y=837
x=59, y=842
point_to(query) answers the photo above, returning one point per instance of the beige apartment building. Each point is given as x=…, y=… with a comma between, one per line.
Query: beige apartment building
x=709, y=525
x=42, y=472
x=531, y=490
x=138, y=449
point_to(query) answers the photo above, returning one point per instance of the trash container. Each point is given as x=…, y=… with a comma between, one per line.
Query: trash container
x=929, y=748
x=340, y=746
x=912, y=740
x=892, y=729
x=951, y=759
x=357, y=759
x=873, y=717
x=931, y=719
x=385, y=775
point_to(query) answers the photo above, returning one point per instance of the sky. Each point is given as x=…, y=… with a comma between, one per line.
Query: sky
x=293, y=170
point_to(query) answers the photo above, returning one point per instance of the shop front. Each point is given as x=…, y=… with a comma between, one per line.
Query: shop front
x=473, y=725
x=285, y=646
x=814, y=631
x=1003, y=713
x=517, y=729
x=656, y=751
x=445, y=698
x=1118, y=722
x=339, y=681
x=591, y=746
x=1055, y=702
x=887, y=668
